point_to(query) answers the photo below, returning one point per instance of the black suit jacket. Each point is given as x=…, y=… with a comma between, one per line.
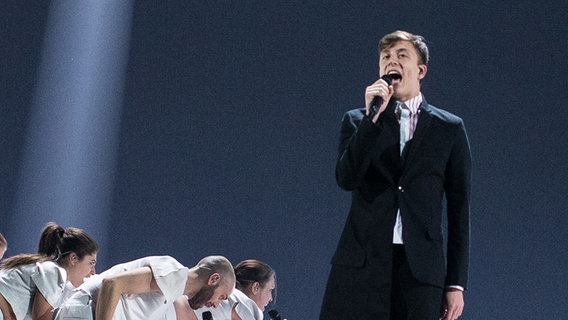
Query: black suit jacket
x=434, y=164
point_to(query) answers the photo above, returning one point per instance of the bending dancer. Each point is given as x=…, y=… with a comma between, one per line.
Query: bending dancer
x=146, y=289
x=33, y=284
x=256, y=282
x=79, y=263
x=400, y=156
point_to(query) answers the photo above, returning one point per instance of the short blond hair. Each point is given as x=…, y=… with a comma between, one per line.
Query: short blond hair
x=417, y=41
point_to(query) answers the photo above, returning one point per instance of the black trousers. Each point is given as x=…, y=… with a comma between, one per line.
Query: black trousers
x=358, y=293
x=411, y=299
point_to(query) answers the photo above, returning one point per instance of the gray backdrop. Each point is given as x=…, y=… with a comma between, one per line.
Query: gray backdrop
x=230, y=119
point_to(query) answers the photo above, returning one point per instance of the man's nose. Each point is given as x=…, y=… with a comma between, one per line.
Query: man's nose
x=392, y=61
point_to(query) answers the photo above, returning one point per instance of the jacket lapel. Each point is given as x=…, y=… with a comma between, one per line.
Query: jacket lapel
x=422, y=128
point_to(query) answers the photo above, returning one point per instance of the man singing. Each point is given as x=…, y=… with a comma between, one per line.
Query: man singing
x=400, y=156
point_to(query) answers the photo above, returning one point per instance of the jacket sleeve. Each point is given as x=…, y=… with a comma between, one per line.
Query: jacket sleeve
x=357, y=139
x=458, y=194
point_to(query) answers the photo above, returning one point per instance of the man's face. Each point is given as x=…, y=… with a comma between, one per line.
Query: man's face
x=402, y=59
x=210, y=296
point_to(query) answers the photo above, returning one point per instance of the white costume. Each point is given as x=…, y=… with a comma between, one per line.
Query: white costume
x=18, y=285
x=246, y=308
x=170, y=277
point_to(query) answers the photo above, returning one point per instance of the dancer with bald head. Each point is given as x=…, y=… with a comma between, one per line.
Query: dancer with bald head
x=147, y=288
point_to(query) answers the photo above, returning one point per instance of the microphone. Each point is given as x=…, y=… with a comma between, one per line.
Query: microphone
x=274, y=315
x=207, y=315
x=377, y=101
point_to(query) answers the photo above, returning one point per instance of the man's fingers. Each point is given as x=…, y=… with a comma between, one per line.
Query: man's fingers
x=453, y=314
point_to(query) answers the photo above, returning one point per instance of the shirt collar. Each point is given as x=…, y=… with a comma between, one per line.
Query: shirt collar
x=414, y=103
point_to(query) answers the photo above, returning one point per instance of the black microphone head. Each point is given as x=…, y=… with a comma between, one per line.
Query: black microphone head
x=387, y=78
x=274, y=315
x=207, y=315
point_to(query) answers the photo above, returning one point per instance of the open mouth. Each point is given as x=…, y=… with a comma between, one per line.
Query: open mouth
x=395, y=76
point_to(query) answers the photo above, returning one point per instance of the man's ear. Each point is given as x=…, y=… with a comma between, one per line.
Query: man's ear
x=214, y=279
x=422, y=70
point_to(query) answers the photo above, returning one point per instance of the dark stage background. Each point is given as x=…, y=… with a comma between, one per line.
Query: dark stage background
x=230, y=119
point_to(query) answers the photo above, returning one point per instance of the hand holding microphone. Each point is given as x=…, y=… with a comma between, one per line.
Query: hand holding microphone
x=376, y=95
